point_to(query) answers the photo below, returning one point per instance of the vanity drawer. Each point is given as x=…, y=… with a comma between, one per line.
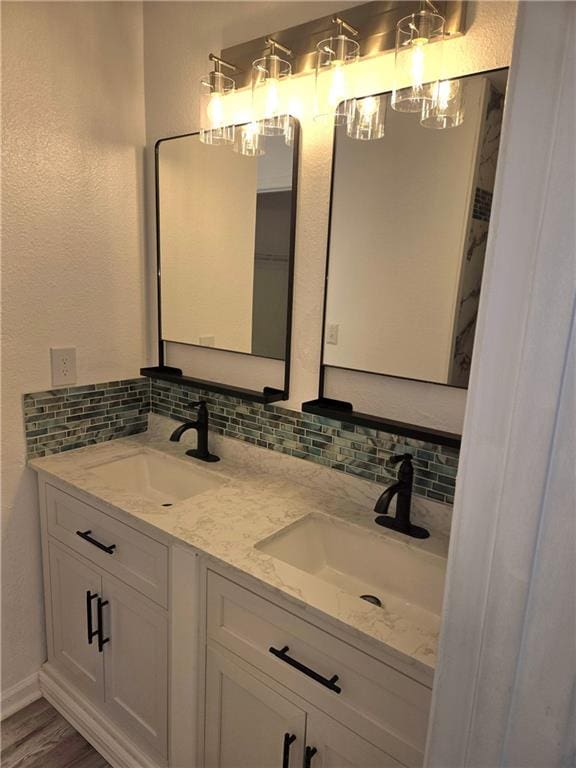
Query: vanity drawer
x=133, y=557
x=376, y=701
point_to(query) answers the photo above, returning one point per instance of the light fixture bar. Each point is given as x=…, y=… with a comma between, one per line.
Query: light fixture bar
x=374, y=22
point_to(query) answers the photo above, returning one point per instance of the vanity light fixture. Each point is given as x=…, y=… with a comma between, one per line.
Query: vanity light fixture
x=367, y=117
x=414, y=59
x=249, y=141
x=446, y=107
x=215, y=127
x=334, y=86
x=269, y=96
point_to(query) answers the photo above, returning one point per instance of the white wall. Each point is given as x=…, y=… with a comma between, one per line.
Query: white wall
x=178, y=38
x=72, y=246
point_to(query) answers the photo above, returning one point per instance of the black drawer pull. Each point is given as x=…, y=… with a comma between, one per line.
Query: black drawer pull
x=86, y=536
x=91, y=630
x=101, y=639
x=282, y=654
x=288, y=740
x=308, y=755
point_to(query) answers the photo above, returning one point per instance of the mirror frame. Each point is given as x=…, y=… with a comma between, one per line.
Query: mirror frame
x=344, y=411
x=168, y=373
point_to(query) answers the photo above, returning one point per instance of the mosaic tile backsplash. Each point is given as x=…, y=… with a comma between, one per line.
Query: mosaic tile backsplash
x=345, y=447
x=63, y=419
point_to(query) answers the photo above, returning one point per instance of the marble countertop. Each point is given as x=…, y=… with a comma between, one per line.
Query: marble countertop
x=263, y=492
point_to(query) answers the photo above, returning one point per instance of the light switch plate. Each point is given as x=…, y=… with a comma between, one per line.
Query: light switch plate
x=332, y=333
x=63, y=366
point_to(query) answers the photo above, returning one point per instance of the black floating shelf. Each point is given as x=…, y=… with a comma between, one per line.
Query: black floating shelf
x=166, y=373
x=342, y=411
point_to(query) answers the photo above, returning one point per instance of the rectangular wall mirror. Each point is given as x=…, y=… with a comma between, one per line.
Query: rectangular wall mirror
x=225, y=228
x=409, y=221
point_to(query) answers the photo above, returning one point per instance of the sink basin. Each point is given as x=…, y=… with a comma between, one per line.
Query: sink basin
x=361, y=562
x=158, y=477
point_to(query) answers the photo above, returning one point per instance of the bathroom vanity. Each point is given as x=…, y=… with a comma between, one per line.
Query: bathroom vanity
x=211, y=615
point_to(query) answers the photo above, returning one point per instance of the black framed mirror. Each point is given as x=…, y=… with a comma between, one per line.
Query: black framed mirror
x=225, y=225
x=409, y=220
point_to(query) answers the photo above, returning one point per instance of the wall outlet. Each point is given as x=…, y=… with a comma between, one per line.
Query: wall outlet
x=63, y=366
x=206, y=341
x=332, y=333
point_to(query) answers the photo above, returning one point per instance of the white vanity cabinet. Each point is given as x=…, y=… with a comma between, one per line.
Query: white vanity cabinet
x=107, y=640
x=163, y=659
x=358, y=711
x=250, y=723
x=73, y=582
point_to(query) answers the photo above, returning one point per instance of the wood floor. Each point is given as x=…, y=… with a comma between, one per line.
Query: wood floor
x=39, y=737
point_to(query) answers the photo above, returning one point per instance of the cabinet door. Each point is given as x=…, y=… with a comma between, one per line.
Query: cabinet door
x=136, y=665
x=71, y=581
x=248, y=724
x=337, y=747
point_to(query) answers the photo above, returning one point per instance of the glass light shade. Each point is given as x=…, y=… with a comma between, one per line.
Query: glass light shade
x=415, y=61
x=335, y=77
x=367, y=118
x=446, y=107
x=249, y=141
x=269, y=97
x=216, y=125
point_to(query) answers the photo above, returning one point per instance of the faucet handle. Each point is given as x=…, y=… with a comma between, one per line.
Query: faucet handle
x=401, y=457
x=197, y=404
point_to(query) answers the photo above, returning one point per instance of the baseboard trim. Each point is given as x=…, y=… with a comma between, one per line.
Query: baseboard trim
x=97, y=729
x=20, y=695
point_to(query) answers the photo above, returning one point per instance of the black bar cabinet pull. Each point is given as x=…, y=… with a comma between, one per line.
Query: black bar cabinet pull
x=282, y=654
x=308, y=755
x=101, y=639
x=289, y=738
x=86, y=536
x=91, y=630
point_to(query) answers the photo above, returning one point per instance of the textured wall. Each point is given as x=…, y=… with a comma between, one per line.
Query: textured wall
x=72, y=243
x=178, y=38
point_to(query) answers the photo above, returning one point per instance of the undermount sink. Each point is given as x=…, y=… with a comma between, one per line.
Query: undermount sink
x=158, y=477
x=361, y=562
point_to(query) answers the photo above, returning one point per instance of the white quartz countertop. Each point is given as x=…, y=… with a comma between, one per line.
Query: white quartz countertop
x=264, y=492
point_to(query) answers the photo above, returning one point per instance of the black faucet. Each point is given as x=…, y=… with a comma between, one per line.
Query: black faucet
x=201, y=426
x=403, y=490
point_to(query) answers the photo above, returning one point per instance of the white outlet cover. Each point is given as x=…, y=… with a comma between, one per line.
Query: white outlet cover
x=207, y=341
x=63, y=366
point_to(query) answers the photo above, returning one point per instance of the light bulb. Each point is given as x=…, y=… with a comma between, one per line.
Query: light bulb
x=418, y=60
x=272, y=101
x=368, y=106
x=367, y=118
x=337, y=91
x=446, y=107
x=215, y=110
x=443, y=94
x=248, y=141
x=251, y=132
